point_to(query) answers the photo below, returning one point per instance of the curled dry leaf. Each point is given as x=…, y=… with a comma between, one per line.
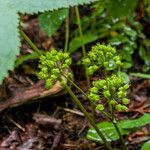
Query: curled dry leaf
x=31, y=94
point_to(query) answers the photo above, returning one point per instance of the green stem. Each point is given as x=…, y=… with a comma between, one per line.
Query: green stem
x=81, y=35
x=113, y=120
x=80, y=29
x=79, y=89
x=67, y=33
x=75, y=99
x=33, y=46
x=119, y=133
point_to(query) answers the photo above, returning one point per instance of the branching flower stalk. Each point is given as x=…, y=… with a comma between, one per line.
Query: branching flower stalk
x=110, y=92
x=33, y=46
x=54, y=67
x=107, y=95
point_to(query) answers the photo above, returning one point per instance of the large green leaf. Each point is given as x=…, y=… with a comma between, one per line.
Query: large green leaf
x=146, y=146
x=9, y=38
x=109, y=131
x=51, y=21
x=9, y=34
x=35, y=6
x=125, y=126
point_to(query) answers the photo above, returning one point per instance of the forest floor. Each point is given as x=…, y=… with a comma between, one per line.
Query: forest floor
x=56, y=123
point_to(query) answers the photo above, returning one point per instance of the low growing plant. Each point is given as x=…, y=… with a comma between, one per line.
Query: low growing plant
x=108, y=95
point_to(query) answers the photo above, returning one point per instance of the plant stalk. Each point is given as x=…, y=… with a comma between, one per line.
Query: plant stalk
x=119, y=133
x=75, y=99
x=33, y=46
x=79, y=89
x=67, y=33
x=83, y=46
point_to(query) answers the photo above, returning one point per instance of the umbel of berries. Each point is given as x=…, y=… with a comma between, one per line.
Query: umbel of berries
x=101, y=56
x=53, y=67
x=113, y=90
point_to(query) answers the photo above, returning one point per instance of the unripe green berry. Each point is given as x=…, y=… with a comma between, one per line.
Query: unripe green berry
x=94, y=97
x=106, y=64
x=90, y=70
x=109, y=54
x=49, y=83
x=117, y=58
x=55, y=71
x=86, y=61
x=94, y=90
x=120, y=94
x=118, y=62
x=121, y=89
x=106, y=94
x=68, y=61
x=42, y=75
x=50, y=63
x=126, y=86
x=125, y=101
x=105, y=87
x=102, y=82
x=64, y=66
x=65, y=55
x=118, y=107
x=63, y=83
x=100, y=107
x=70, y=75
x=113, y=102
x=124, y=108
x=53, y=77
x=53, y=52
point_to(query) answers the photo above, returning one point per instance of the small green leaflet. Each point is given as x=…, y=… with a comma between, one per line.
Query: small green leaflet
x=9, y=33
x=77, y=42
x=125, y=126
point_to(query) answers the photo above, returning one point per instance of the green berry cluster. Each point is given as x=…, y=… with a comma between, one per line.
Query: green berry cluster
x=101, y=56
x=113, y=89
x=53, y=65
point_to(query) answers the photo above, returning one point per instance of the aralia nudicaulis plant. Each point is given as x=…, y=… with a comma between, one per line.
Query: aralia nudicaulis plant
x=108, y=94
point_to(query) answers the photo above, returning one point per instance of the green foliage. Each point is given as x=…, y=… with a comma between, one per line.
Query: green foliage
x=125, y=126
x=77, y=42
x=101, y=56
x=141, y=75
x=124, y=76
x=26, y=57
x=116, y=32
x=145, y=54
x=146, y=146
x=52, y=66
x=51, y=21
x=9, y=35
x=121, y=8
x=113, y=90
x=147, y=5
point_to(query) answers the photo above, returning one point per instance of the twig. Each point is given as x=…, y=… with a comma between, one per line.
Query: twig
x=16, y=124
x=73, y=111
